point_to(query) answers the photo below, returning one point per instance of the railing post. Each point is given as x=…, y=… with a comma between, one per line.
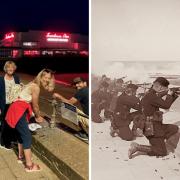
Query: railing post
x=53, y=116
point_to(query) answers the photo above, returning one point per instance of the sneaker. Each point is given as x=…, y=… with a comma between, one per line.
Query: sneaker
x=82, y=136
x=8, y=148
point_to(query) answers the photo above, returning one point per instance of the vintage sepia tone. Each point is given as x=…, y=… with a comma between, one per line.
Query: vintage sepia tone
x=135, y=90
x=115, y=138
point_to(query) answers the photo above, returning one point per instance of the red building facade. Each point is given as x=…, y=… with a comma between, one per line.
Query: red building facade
x=42, y=43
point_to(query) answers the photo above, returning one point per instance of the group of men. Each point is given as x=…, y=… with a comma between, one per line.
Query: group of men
x=122, y=106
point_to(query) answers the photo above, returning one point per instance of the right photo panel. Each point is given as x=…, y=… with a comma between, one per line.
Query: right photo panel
x=135, y=89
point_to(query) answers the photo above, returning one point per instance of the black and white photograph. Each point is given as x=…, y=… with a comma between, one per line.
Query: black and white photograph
x=135, y=121
x=135, y=90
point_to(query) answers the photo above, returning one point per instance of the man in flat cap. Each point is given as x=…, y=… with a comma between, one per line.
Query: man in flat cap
x=122, y=116
x=155, y=131
x=100, y=101
x=116, y=90
x=103, y=79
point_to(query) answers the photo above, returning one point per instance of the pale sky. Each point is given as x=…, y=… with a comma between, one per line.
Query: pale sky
x=134, y=30
x=139, y=71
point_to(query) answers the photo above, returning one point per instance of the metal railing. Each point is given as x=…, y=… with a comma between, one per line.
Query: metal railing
x=63, y=111
x=53, y=119
x=53, y=104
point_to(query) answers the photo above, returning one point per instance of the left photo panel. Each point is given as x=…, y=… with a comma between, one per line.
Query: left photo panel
x=44, y=90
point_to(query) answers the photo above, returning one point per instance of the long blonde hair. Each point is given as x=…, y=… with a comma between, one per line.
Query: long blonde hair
x=51, y=84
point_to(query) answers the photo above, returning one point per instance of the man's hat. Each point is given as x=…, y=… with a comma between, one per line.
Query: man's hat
x=132, y=86
x=77, y=80
x=163, y=81
x=120, y=80
x=104, y=84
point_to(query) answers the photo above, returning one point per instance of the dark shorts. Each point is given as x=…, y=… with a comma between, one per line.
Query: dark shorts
x=23, y=133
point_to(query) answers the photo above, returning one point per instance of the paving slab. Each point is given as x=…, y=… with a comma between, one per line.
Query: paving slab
x=66, y=155
x=11, y=170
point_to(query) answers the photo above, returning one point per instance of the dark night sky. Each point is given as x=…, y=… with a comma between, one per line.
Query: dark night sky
x=55, y=15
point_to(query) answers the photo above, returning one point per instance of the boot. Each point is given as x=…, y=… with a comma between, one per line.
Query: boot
x=173, y=140
x=113, y=132
x=135, y=147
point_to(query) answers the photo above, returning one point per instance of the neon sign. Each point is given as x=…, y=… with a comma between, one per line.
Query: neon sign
x=53, y=37
x=31, y=52
x=9, y=35
x=15, y=53
x=29, y=43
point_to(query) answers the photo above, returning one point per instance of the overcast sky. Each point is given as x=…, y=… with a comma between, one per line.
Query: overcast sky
x=133, y=30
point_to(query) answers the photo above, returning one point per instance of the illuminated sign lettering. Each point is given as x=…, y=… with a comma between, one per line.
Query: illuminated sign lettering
x=29, y=44
x=15, y=53
x=9, y=36
x=31, y=52
x=53, y=37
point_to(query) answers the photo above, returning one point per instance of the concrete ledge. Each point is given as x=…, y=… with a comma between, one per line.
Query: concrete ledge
x=63, y=153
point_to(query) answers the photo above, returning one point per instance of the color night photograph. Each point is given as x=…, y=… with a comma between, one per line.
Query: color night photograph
x=44, y=90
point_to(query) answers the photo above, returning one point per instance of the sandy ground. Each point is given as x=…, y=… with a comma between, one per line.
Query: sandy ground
x=110, y=155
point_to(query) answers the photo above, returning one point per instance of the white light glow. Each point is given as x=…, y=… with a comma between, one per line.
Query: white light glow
x=29, y=43
x=9, y=36
x=57, y=40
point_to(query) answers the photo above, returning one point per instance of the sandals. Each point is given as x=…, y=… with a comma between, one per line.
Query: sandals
x=21, y=160
x=32, y=168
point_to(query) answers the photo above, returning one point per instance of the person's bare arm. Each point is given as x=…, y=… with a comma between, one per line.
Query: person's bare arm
x=35, y=103
x=72, y=100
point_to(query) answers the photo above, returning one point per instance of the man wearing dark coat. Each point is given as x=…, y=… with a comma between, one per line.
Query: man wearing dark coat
x=100, y=100
x=155, y=131
x=123, y=116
